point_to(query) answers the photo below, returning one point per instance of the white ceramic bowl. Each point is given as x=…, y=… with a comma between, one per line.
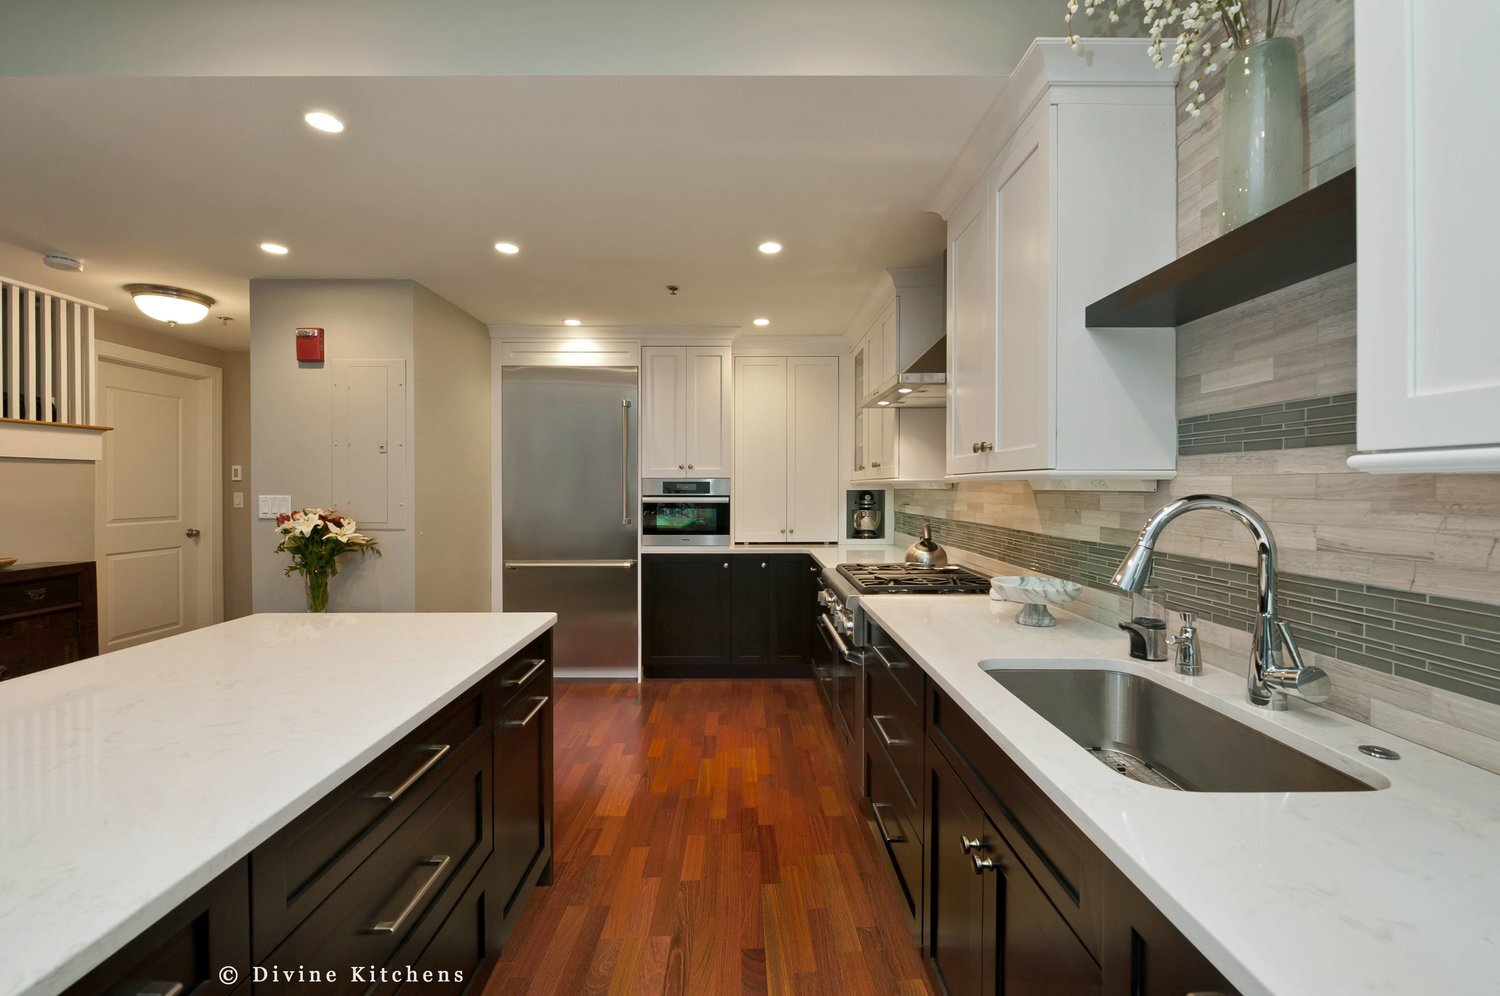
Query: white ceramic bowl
x=1035, y=594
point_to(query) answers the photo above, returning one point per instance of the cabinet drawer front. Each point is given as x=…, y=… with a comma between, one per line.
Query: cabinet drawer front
x=908, y=674
x=527, y=670
x=1065, y=864
x=523, y=828
x=367, y=918
x=896, y=826
x=458, y=953
x=184, y=950
x=297, y=869
x=29, y=596
x=895, y=723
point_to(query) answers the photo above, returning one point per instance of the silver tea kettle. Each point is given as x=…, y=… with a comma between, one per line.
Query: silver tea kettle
x=925, y=552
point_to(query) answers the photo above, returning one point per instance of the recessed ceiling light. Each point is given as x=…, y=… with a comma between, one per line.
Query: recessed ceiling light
x=905, y=390
x=274, y=248
x=882, y=404
x=571, y=321
x=323, y=121
x=508, y=248
x=762, y=321
x=770, y=248
x=172, y=305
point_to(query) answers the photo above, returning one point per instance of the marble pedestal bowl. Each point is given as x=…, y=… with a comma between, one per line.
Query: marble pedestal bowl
x=1034, y=595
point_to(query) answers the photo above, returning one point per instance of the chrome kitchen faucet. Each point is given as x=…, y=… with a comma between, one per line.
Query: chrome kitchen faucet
x=1267, y=682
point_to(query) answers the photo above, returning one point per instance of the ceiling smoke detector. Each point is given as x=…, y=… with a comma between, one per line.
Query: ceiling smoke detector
x=62, y=261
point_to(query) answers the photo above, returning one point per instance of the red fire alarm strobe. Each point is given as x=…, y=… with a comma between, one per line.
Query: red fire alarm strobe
x=309, y=345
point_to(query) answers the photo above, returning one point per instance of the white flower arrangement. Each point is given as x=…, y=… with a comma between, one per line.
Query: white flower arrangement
x=1242, y=22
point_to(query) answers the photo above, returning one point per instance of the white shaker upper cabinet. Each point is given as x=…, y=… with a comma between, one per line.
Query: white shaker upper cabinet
x=685, y=411
x=786, y=449
x=1428, y=205
x=1066, y=193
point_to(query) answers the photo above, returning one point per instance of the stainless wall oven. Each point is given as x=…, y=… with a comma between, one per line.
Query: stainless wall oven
x=685, y=511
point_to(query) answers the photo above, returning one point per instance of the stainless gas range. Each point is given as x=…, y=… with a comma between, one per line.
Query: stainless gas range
x=847, y=642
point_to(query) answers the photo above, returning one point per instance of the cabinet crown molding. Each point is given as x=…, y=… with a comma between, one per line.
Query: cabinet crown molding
x=1051, y=69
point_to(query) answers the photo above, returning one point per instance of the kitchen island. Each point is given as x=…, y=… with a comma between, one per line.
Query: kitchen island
x=133, y=782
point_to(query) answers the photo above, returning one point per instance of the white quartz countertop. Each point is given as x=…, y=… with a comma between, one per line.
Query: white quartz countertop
x=129, y=781
x=827, y=556
x=1392, y=891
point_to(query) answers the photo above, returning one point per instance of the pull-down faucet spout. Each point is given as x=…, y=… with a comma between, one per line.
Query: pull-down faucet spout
x=1267, y=682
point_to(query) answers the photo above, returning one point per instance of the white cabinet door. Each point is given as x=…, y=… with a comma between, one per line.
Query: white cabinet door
x=874, y=360
x=1022, y=434
x=812, y=496
x=971, y=335
x=707, y=429
x=759, y=510
x=890, y=359
x=1428, y=205
x=861, y=439
x=663, y=401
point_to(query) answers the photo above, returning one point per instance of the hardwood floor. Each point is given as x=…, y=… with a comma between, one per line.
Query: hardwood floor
x=707, y=842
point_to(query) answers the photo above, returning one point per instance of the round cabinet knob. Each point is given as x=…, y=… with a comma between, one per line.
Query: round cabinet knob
x=976, y=447
x=193, y=534
x=682, y=466
x=762, y=564
x=983, y=864
x=726, y=565
x=970, y=844
x=690, y=466
x=791, y=532
x=875, y=464
x=783, y=532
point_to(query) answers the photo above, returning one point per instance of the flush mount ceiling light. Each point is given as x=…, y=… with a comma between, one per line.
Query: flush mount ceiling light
x=172, y=305
x=508, y=248
x=770, y=248
x=323, y=121
x=274, y=248
x=762, y=321
x=571, y=321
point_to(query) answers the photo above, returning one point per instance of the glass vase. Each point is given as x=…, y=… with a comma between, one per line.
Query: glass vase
x=317, y=590
x=1261, y=132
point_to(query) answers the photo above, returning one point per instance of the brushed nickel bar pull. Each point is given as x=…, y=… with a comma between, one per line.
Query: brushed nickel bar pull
x=536, y=665
x=161, y=989
x=625, y=462
x=885, y=835
x=438, y=750
x=890, y=741
x=511, y=565
x=439, y=862
x=516, y=724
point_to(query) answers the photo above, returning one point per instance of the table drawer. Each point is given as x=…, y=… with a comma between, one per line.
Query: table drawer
x=29, y=596
x=300, y=866
x=368, y=917
x=895, y=723
x=183, y=951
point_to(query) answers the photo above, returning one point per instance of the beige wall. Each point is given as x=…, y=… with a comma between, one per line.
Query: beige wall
x=451, y=378
x=291, y=435
x=1432, y=534
x=47, y=507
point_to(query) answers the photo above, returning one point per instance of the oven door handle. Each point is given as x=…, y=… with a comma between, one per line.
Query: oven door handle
x=838, y=641
x=685, y=499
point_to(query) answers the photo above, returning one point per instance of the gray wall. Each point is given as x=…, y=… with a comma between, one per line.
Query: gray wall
x=452, y=455
x=291, y=441
x=1269, y=386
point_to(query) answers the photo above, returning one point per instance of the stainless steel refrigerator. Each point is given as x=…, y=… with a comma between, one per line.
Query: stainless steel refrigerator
x=569, y=507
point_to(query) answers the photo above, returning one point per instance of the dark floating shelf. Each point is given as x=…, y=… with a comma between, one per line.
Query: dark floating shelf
x=1307, y=236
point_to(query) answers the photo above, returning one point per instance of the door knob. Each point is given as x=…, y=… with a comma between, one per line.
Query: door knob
x=193, y=534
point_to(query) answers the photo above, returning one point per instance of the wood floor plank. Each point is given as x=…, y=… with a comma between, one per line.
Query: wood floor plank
x=706, y=842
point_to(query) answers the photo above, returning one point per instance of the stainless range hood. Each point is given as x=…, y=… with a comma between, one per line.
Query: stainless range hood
x=923, y=384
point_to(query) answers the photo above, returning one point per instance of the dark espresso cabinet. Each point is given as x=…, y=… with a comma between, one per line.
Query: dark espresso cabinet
x=1007, y=895
x=49, y=615
x=422, y=861
x=730, y=614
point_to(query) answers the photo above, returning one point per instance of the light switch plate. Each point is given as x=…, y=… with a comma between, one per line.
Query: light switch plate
x=273, y=505
x=239, y=499
x=236, y=472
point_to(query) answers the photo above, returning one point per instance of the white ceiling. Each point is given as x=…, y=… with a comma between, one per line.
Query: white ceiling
x=613, y=186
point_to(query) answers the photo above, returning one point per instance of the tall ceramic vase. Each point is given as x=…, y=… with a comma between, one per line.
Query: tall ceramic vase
x=1261, y=132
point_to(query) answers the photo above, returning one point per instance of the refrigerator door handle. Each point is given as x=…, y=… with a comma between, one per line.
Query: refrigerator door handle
x=625, y=462
x=511, y=565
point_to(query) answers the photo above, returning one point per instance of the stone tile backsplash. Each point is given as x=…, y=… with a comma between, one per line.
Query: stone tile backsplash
x=1282, y=425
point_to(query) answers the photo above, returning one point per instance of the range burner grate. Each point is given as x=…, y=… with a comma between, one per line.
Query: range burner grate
x=914, y=579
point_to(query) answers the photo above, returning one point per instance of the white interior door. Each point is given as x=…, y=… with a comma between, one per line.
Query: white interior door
x=157, y=528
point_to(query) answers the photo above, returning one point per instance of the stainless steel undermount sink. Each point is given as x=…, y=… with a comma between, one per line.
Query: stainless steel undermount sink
x=1154, y=734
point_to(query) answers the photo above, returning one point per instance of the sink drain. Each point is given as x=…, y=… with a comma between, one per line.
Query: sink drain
x=1133, y=768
